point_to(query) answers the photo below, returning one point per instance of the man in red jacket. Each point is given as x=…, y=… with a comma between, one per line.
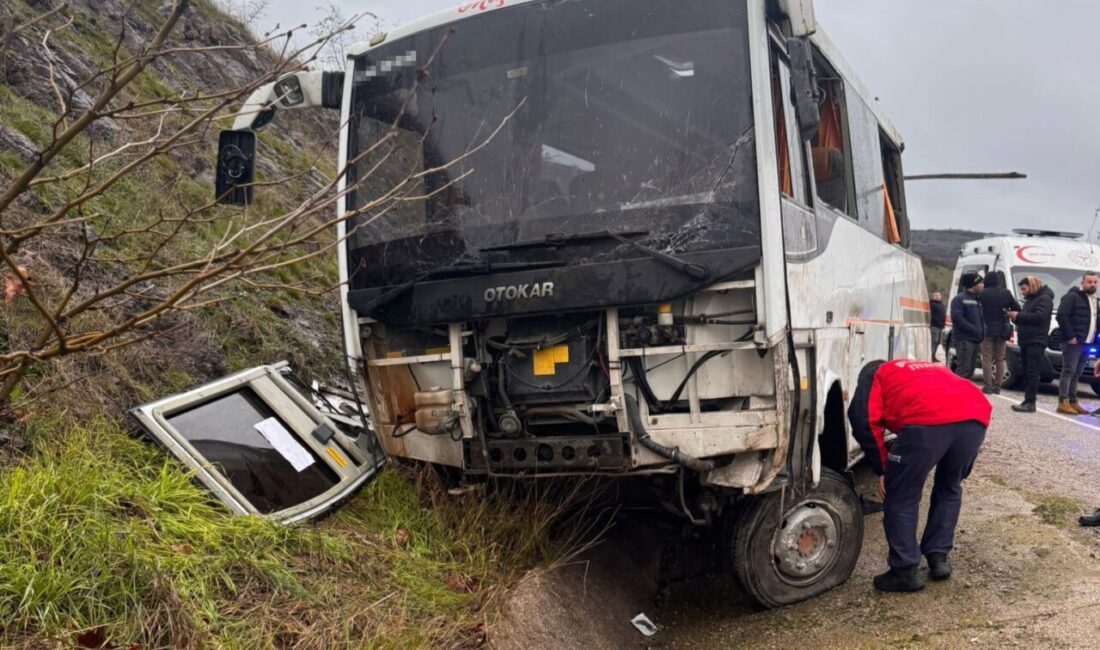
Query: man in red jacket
x=940, y=421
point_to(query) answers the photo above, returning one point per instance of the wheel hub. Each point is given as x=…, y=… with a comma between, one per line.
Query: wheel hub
x=807, y=543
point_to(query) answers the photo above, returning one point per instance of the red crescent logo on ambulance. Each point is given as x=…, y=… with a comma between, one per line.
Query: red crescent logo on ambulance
x=1038, y=257
x=480, y=5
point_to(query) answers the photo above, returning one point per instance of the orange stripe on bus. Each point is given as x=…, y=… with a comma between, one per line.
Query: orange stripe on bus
x=912, y=303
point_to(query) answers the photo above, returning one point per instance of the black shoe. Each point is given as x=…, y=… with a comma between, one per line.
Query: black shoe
x=907, y=579
x=997, y=390
x=989, y=390
x=1090, y=520
x=1026, y=407
x=939, y=567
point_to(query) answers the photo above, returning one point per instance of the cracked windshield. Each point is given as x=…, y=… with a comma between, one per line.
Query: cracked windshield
x=586, y=118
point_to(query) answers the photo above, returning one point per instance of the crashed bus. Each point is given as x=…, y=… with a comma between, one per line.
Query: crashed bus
x=654, y=239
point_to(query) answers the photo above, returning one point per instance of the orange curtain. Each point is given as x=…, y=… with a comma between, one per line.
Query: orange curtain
x=893, y=235
x=829, y=134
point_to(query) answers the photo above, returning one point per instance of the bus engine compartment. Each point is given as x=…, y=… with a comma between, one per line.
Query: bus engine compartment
x=577, y=392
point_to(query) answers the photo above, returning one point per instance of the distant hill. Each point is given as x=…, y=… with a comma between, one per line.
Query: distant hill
x=939, y=249
x=942, y=246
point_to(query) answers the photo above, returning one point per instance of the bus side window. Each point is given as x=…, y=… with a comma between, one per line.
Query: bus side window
x=831, y=151
x=897, y=219
x=789, y=148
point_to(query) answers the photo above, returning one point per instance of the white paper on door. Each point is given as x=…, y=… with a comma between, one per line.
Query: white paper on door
x=275, y=433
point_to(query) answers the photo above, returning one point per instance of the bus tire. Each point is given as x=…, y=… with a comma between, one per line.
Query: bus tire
x=785, y=558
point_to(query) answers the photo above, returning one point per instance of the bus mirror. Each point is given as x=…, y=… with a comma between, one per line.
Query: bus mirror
x=804, y=91
x=801, y=15
x=236, y=167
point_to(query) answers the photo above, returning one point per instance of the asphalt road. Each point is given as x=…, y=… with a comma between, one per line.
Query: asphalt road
x=1026, y=575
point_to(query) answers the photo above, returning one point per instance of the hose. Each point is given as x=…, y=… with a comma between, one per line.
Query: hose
x=656, y=405
x=671, y=453
x=565, y=412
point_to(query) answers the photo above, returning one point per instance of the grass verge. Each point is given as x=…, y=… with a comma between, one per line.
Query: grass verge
x=103, y=539
x=1055, y=510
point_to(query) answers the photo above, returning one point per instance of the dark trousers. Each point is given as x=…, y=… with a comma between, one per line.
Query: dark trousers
x=951, y=449
x=966, y=358
x=1031, y=361
x=1073, y=364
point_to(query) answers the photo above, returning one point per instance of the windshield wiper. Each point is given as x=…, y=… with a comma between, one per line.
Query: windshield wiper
x=457, y=270
x=697, y=271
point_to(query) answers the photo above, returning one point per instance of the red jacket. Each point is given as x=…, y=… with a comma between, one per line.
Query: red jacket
x=897, y=394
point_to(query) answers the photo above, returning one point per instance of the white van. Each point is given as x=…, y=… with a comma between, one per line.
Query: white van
x=1058, y=259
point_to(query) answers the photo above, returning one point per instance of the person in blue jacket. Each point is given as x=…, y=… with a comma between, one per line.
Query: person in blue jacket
x=968, y=324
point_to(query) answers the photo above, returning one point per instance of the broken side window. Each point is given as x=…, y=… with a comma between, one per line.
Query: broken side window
x=831, y=151
x=793, y=182
x=893, y=194
x=262, y=447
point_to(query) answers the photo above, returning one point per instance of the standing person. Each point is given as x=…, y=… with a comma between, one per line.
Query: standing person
x=938, y=322
x=1077, y=321
x=1033, y=334
x=940, y=421
x=967, y=324
x=996, y=301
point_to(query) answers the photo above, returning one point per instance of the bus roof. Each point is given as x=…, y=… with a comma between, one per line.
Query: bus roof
x=471, y=8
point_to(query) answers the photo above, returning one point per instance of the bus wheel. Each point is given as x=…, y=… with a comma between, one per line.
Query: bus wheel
x=784, y=558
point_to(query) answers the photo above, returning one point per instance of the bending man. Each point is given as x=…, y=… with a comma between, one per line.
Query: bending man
x=940, y=421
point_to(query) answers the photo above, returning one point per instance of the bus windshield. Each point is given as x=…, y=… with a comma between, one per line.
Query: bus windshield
x=553, y=118
x=1059, y=280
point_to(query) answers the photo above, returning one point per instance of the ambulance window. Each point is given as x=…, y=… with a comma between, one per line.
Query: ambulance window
x=980, y=269
x=831, y=150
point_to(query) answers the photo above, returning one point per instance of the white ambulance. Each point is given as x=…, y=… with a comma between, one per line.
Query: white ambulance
x=1058, y=259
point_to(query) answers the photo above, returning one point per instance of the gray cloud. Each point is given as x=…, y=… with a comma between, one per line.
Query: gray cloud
x=974, y=85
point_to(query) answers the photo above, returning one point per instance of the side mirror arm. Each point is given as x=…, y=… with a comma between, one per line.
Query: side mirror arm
x=237, y=146
x=294, y=91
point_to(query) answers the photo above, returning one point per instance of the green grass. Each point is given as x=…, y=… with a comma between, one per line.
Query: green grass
x=99, y=531
x=938, y=277
x=1055, y=510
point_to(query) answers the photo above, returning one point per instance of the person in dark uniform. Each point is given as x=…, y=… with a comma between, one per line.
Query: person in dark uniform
x=996, y=301
x=1033, y=335
x=940, y=420
x=967, y=324
x=937, y=323
x=1078, y=320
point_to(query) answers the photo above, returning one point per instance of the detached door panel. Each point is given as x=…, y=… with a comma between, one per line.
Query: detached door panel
x=261, y=447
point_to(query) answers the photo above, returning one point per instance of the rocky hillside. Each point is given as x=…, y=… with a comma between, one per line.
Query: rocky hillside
x=245, y=327
x=942, y=246
x=939, y=249
x=104, y=542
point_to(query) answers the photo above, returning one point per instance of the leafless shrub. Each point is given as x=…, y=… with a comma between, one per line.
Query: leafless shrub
x=119, y=275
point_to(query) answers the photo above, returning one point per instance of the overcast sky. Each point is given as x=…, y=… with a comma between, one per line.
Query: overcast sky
x=973, y=86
